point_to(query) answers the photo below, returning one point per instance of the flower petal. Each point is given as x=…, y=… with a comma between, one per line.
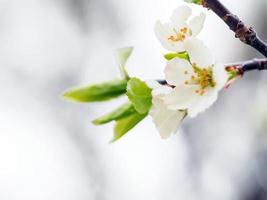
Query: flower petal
x=203, y=103
x=163, y=33
x=158, y=90
x=199, y=53
x=153, y=84
x=180, y=15
x=181, y=97
x=220, y=75
x=178, y=71
x=167, y=121
x=196, y=24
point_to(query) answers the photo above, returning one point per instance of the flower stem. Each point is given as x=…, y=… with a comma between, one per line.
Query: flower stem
x=162, y=82
x=246, y=34
x=255, y=64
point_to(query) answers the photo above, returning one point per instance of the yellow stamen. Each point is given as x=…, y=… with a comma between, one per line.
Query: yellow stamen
x=203, y=77
x=179, y=35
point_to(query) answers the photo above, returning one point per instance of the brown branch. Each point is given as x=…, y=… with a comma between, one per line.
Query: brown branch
x=255, y=64
x=246, y=34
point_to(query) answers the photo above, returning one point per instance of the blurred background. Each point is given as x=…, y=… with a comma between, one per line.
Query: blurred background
x=50, y=150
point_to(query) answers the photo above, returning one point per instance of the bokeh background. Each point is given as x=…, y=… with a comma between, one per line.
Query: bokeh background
x=50, y=150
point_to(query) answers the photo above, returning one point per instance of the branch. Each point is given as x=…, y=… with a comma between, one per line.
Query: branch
x=246, y=34
x=255, y=64
x=162, y=82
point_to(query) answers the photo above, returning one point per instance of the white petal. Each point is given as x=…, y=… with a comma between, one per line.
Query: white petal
x=163, y=33
x=166, y=121
x=153, y=84
x=199, y=53
x=163, y=30
x=196, y=24
x=160, y=90
x=181, y=97
x=178, y=71
x=220, y=75
x=203, y=103
x=180, y=15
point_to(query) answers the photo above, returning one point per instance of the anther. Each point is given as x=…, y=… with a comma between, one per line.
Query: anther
x=202, y=92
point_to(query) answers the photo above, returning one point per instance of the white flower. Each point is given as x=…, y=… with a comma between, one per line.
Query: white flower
x=167, y=121
x=197, y=82
x=173, y=34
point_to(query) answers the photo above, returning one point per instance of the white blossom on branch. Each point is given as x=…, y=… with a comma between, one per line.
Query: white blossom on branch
x=173, y=34
x=197, y=82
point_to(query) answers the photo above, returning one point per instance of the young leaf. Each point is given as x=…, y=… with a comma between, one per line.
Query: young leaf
x=199, y=2
x=119, y=113
x=123, y=55
x=98, y=92
x=182, y=55
x=140, y=95
x=124, y=125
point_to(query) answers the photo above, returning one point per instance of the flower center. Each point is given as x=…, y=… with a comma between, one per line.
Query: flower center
x=180, y=35
x=202, y=77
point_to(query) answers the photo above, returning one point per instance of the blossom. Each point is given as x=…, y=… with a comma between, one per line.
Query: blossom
x=166, y=120
x=173, y=34
x=197, y=82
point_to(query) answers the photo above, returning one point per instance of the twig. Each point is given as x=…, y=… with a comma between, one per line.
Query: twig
x=246, y=34
x=255, y=64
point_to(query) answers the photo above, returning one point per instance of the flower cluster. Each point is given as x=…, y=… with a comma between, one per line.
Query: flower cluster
x=196, y=78
x=192, y=81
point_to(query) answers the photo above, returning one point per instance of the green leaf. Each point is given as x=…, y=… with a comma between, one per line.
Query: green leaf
x=123, y=55
x=199, y=2
x=119, y=113
x=124, y=125
x=182, y=55
x=140, y=95
x=98, y=92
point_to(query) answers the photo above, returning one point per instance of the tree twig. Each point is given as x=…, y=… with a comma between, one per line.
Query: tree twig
x=255, y=64
x=246, y=34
